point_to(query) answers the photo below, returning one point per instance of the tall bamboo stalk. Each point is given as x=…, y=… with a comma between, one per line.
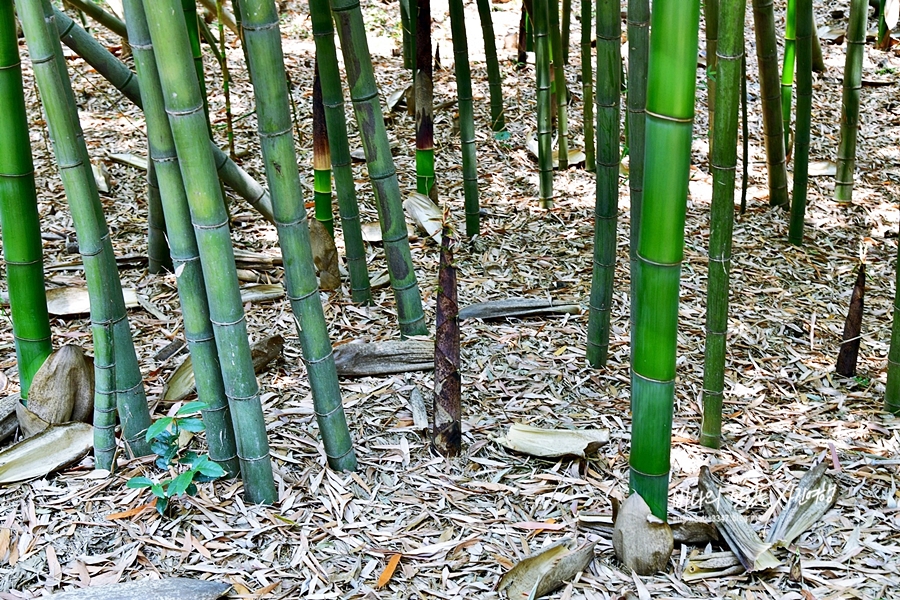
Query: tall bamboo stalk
x=565, y=29
x=495, y=84
x=541, y=17
x=587, y=86
x=804, y=113
x=856, y=47
x=787, y=71
x=95, y=12
x=184, y=106
x=189, y=9
x=892, y=389
x=409, y=55
x=636, y=101
x=773, y=129
x=606, y=208
x=321, y=159
x=113, y=344
x=336, y=125
x=263, y=38
x=466, y=116
x=424, y=90
x=557, y=63
x=711, y=18
x=114, y=71
x=370, y=121
x=198, y=329
x=158, y=258
x=19, y=220
x=670, y=112
x=723, y=163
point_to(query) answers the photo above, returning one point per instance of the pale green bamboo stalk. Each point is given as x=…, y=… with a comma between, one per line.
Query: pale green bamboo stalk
x=559, y=83
x=846, y=155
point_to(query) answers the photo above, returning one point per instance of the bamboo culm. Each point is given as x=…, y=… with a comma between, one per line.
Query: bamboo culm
x=587, y=86
x=424, y=91
x=557, y=64
x=804, y=113
x=787, y=70
x=495, y=83
x=321, y=159
x=846, y=156
x=544, y=116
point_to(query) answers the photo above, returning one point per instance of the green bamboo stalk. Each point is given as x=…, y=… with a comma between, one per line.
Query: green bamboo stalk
x=724, y=165
x=409, y=55
x=559, y=85
x=114, y=71
x=541, y=16
x=745, y=135
x=787, y=71
x=336, y=125
x=495, y=83
x=773, y=128
x=158, y=258
x=198, y=329
x=263, y=38
x=424, y=91
x=184, y=106
x=804, y=112
x=711, y=17
x=222, y=57
x=670, y=111
x=892, y=389
x=856, y=47
x=587, y=86
x=606, y=208
x=370, y=121
x=189, y=8
x=883, y=41
x=466, y=116
x=113, y=344
x=636, y=101
x=818, y=60
x=94, y=11
x=321, y=159
x=19, y=220
x=565, y=29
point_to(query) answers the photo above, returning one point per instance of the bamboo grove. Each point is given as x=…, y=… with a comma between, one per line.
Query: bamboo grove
x=652, y=123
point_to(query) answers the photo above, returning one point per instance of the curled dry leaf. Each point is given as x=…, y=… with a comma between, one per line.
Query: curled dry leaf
x=62, y=391
x=553, y=443
x=262, y=292
x=49, y=450
x=67, y=301
x=814, y=495
x=517, y=307
x=425, y=214
x=576, y=155
x=715, y=564
x=642, y=542
x=546, y=571
x=371, y=232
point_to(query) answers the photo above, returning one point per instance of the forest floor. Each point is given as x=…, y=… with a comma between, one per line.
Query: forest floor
x=460, y=524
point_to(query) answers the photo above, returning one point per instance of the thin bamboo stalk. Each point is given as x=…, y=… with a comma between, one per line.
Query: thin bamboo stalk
x=94, y=11
x=542, y=76
x=724, y=164
x=321, y=159
x=711, y=18
x=892, y=389
x=557, y=63
x=184, y=106
x=787, y=71
x=19, y=220
x=636, y=100
x=370, y=121
x=804, y=113
x=158, y=258
x=263, y=38
x=495, y=83
x=606, y=208
x=424, y=90
x=587, y=86
x=409, y=56
x=856, y=47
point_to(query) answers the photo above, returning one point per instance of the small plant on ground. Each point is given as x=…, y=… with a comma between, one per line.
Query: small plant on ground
x=164, y=436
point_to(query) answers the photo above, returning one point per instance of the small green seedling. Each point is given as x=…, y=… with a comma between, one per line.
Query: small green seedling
x=164, y=437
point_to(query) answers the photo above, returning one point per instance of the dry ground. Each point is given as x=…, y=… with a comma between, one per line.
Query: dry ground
x=461, y=523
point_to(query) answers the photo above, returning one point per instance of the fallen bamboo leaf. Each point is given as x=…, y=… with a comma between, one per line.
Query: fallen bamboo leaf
x=130, y=160
x=388, y=572
x=546, y=571
x=62, y=390
x=127, y=514
x=101, y=177
x=576, y=155
x=360, y=359
x=181, y=382
x=815, y=494
x=371, y=232
x=262, y=292
x=425, y=214
x=417, y=406
x=517, y=307
x=553, y=443
x=715, y=564
x=67, y=301
x=8, y=420
x=176, y=588
x=399, y=97
x=51, y=449
x=822, y=168
x=743, y=541
x=642, y=542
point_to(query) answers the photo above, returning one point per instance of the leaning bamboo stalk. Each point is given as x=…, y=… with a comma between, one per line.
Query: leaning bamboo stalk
x=587, y=86
x=544, y=115
x=495, y=84
x=804, y=113
x=114, y=71
x=846, y=156
x=19, y=219
x=336, y=126
x=382, y=173
x=606, y=208
x=198, y=329
x=773, y=129
x=113, y=344
x=724, y=165
x=184, y=106
x=94, y=11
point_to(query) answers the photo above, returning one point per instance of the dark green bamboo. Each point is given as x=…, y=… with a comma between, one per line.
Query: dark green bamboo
x=263, y=38
x=466, y=116
x=495, y=83
x=787, y=71
x=804, y=113
x=636, y=100
x=565, y=29
x=114, y=71
x=424, y=90
x=818, y=59
x=184, y=106
x=113, y=344
x=409, y=55
x=559, y=86
x=892, y=389
x=883, y=40
x=189, y=8
x=198, y=330
x=222, y=57
x=846, y=156
x=336, y=125
x=158, y=258
x=19, y=220
x=544, y=115
x=711, y=18
x=370, y=121
x=94, y=11
x=606, y=208
x=587, y=86
x=723, y=163
x=321, y=159
x=670, y=113
x=745, y=135
x=773, y=129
